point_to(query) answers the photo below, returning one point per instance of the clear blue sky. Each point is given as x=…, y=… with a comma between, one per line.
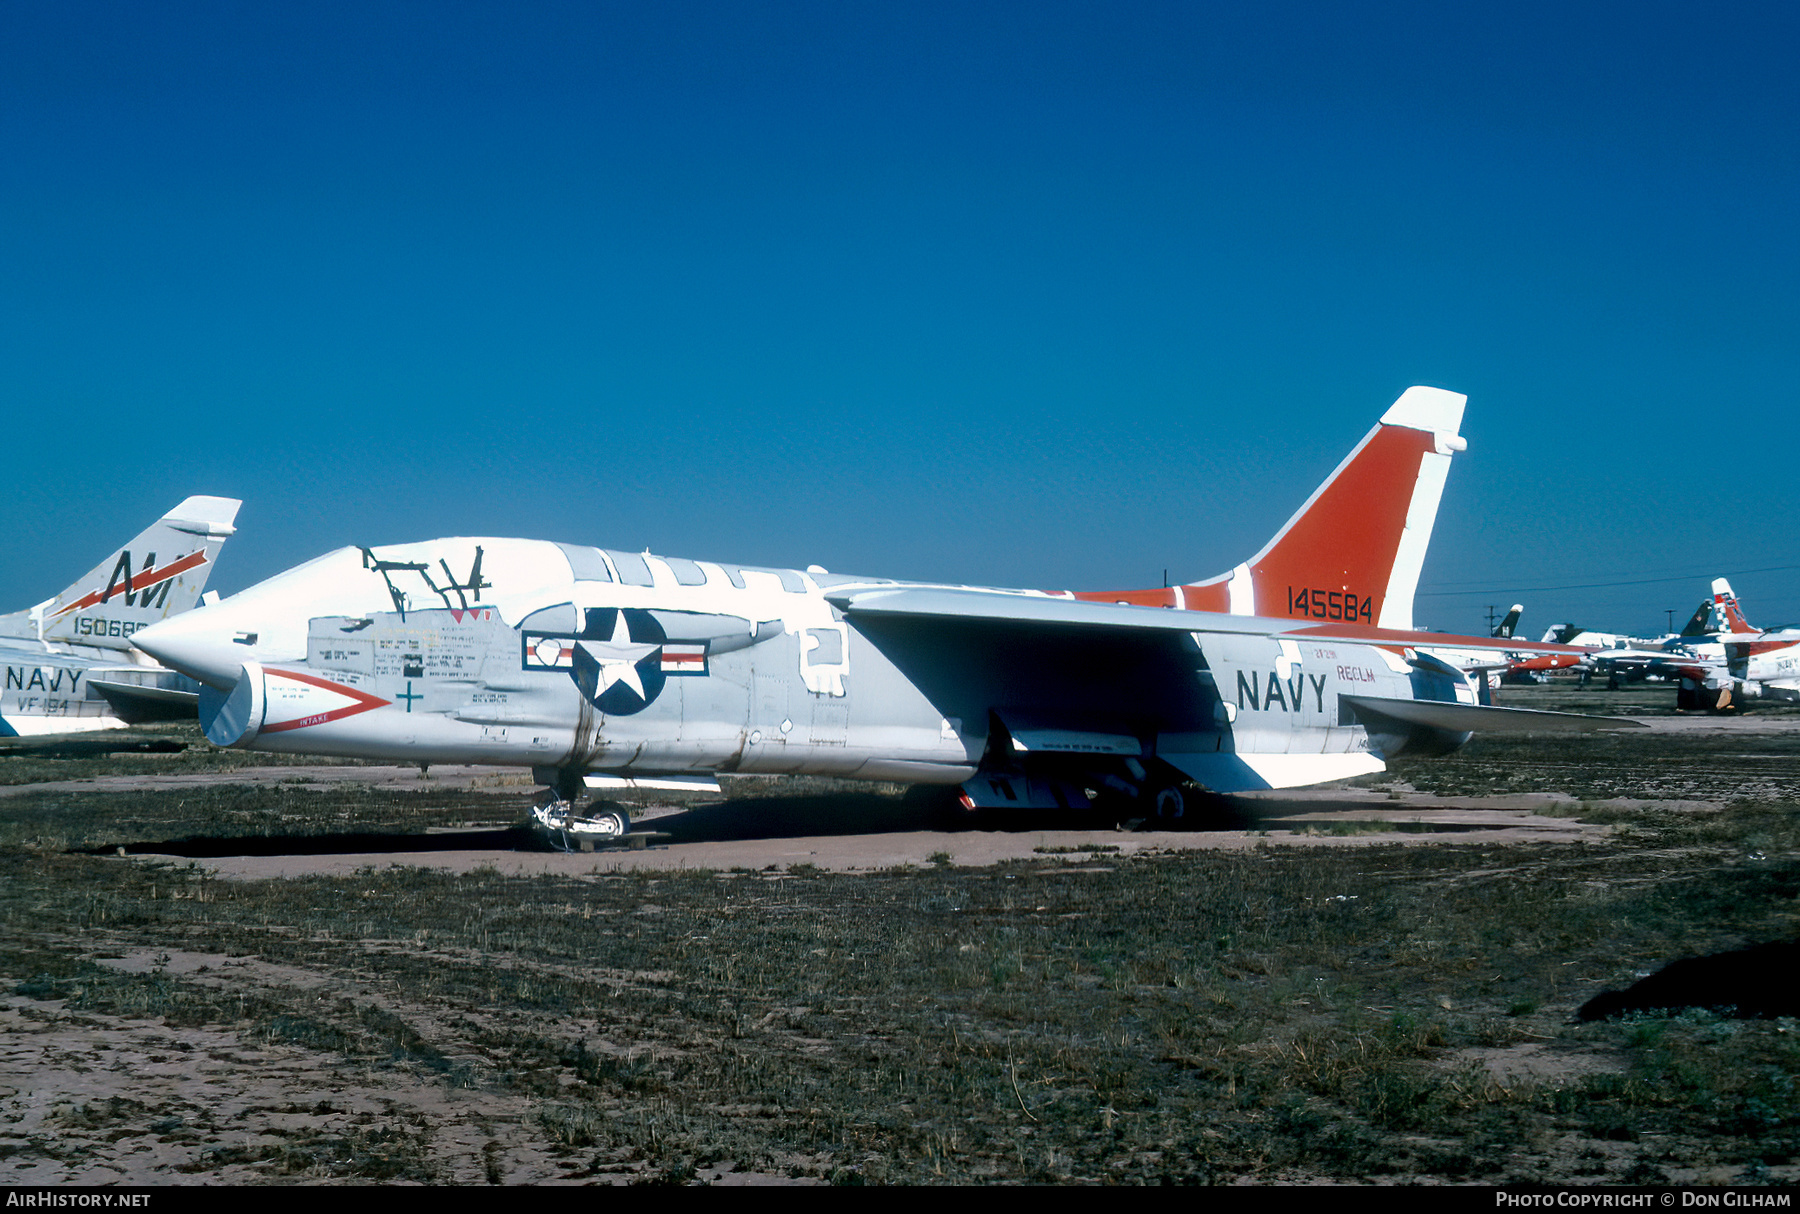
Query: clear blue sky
x=1023, y=294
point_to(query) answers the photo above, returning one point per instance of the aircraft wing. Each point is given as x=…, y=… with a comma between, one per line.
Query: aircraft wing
x=1050, y=611
x=1640, y=657
x=1106, y=671
x=23, y=649
x=1390, y=637
x=1076, y=665
x=993, y=606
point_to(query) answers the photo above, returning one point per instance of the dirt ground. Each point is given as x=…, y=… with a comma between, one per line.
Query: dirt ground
x=95, y=1093
x=1299, y=820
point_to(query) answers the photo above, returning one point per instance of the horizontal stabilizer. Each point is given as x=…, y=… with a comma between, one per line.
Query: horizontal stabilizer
x=135, y=703
x=1478, y=718
x=40, y=727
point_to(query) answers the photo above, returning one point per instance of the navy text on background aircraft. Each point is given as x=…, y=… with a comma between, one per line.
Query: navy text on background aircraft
x=71, y=665
x=1297, y=667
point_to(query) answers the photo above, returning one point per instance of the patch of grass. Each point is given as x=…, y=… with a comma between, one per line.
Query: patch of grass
x=1201, y=1017
x=1176, y=994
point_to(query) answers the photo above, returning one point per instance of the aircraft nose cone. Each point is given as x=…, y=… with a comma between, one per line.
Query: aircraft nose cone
x=197, y=647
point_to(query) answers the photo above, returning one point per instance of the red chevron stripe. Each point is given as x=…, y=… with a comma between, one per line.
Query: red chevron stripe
x=364, y=701
x=143, y=581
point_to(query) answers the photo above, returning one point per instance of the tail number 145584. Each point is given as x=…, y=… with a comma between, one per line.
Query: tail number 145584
x=1331, y=604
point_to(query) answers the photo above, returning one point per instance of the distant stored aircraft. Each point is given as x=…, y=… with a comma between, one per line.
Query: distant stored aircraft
x=1719, y=659
x=1763, y=667
x=1708, y=619
x=70, y=662
x=1507, y=665
x=1691, y=654
x=1529, y=668
x=1297, y=667
x=1739, y=662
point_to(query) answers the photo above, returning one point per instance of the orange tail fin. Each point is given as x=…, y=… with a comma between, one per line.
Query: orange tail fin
x=1355, y=549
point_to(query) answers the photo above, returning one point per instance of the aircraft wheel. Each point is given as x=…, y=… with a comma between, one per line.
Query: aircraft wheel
x=613, y=823
x=1170, y=804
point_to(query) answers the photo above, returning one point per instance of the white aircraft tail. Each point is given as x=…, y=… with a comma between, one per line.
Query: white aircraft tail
x=160, y=573
x=1353, y=552
x=1725, y=605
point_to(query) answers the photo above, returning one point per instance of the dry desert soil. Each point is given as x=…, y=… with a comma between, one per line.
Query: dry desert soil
x=219, y=970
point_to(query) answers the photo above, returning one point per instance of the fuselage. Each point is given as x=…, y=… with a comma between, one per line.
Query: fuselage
x=562, y=657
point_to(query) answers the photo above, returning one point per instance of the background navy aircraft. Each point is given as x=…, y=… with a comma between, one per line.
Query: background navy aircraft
x=1297, y=667
x=1721, y=659
x=70, y=662
x=1696, y=654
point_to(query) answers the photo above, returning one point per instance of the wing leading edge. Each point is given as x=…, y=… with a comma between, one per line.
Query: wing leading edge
x=970, y=605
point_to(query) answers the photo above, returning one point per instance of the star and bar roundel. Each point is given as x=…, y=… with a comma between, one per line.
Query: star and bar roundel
x=620, y=659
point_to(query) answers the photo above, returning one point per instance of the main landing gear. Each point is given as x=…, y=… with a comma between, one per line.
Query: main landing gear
x=1139, y=799
x=567, y=829
x=1157, y=806
x=1169, y=804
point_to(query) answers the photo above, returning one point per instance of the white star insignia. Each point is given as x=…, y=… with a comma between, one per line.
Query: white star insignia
x=618, y=659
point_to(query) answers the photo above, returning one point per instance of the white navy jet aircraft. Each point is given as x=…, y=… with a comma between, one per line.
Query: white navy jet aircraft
x=1766, y=666
x=1723, y=661
x=1297, y=667
x=71, y=665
